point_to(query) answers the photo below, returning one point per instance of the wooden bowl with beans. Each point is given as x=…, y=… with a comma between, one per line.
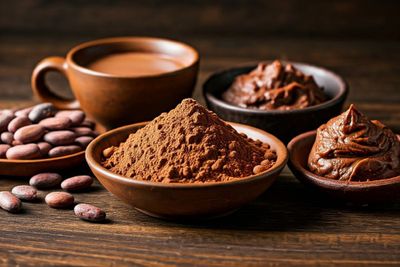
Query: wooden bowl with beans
x=42, y=138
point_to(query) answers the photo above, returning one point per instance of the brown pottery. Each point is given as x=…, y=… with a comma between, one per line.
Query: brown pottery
x=178, y=200
x=374, y=191
x=114, y=100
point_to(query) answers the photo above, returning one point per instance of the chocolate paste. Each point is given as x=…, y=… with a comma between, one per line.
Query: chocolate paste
x=353, y=148
x=274, y=87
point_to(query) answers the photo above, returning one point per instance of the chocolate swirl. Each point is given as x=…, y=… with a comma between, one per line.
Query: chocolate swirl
x=274, y=86
x=353, y=148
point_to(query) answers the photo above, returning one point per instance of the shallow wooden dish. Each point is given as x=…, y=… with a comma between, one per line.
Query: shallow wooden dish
x=184, y=201
x=35, y=166
x=376, y=191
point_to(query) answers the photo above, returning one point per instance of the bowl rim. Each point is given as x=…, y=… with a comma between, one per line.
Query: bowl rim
x=340, y=96
x=41, y=160
x=331, y=183
x=276, y=168
x=110, y=40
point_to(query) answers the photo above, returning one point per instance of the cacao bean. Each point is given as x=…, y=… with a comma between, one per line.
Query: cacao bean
x=3, y=150
x=83, y=141
x=30, y=133
x=23, y=112
x=5, y=117
x=59, y=151
x=60, y=123
x=83, y=131
x=76, y=183
x=89, y=212
x=76, y=116
x=88, y=123
x=9, y=202
x=45, y=180
x=7, y=138
x=18, y=122
x=59, y=200
x=41, y=111
x=28, y=151
x=24, y=192
x=44, y=148
x=59, y=138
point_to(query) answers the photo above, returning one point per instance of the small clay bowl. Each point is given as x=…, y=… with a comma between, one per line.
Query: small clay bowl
x=375, y=191
x=184, y=201
x=284, y=124
x=31, y=167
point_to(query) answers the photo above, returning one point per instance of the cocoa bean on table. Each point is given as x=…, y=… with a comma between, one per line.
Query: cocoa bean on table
x=59, y=200
x=76, y=183
x=25, y=192
x=89, y=212
x=45, y=180
x=9, y=202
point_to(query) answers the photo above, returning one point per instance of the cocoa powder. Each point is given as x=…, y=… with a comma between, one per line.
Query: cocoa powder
x=189, y=144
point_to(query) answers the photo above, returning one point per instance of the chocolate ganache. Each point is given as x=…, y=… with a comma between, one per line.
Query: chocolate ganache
x=274, y=87
x=351, y=147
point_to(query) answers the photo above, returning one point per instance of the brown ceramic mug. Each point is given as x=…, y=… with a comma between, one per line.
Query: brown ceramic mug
x=114, y=99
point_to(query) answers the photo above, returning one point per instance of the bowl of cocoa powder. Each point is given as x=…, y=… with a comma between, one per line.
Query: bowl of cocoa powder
x=186, y=163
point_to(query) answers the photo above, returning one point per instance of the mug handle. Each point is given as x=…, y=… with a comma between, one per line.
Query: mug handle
x=40, y=88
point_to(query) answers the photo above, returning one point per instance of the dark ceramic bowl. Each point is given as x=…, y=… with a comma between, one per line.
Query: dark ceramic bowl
x=184, y=201
x=376, y=191
x=285, y=124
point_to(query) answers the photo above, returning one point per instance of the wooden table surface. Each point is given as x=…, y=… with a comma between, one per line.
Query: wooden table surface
x=289, y=225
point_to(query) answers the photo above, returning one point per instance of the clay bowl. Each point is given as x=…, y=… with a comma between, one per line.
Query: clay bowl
x=284, y=124
x=31, y=167
x=376, y=191
x=34, y=166
x=183, y=201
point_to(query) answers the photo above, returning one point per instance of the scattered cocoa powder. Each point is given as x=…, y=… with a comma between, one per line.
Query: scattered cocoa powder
x=189, y=144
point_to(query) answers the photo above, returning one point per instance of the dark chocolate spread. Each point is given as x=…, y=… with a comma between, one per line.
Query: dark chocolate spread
x=274, y=87
x=351, y=147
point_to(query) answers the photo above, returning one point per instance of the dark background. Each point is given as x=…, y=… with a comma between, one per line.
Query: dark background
x=358, y=39
x=364, y=19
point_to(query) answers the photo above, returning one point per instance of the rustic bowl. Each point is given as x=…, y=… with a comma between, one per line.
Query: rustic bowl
x=284, y=124
x=183, y=201
x=31, y=167
x=376, y=191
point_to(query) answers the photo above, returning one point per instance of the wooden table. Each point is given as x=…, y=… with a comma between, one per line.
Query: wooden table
x=289, y=225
